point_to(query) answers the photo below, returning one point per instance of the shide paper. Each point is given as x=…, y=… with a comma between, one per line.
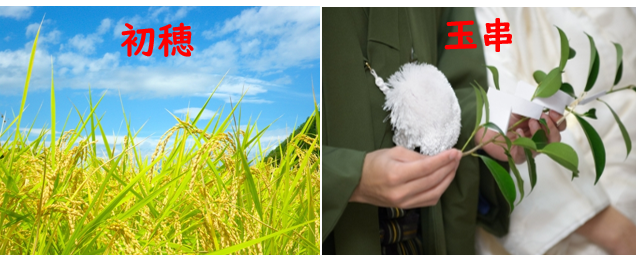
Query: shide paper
x=502, y=104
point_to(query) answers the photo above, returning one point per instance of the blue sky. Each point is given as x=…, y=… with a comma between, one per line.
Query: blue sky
x=273, y=52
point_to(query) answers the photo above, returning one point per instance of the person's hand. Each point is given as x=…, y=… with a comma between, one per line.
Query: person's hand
x=525, y=128
x=611, y=230
x=399, y=177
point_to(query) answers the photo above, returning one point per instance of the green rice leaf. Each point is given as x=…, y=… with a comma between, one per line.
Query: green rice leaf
x=53, y=150
x=28, y=79
x=244, y=245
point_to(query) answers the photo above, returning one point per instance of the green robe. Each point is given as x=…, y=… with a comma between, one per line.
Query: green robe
x=354, y=123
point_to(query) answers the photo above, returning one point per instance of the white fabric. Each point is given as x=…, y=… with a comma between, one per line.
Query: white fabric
x=543, y=223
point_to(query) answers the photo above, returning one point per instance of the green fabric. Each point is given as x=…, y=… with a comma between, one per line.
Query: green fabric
x=354, y=123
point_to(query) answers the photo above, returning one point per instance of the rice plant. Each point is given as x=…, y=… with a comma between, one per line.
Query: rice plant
x=201, y=191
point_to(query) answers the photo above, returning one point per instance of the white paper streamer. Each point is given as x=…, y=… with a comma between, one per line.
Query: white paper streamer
x=500, y=109
x=592, y=98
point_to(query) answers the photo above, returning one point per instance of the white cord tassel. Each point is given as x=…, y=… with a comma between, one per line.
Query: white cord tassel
x=424, y=110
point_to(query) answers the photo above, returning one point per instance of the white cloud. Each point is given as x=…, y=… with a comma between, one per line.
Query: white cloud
x=250, y=47
x=152, y=16
x=79, y=64
x=136, y=21
x=274, y=38
x=104, y=26
x=155, y=11
x=193, y=111
x=75, y=70
x=283, y=80
x=270, y=20
x=32, y=29
x=197, y=75
x=16, y=12
x=7, y=38
x=52, y=37
x=293, y=50
x=85, y=44
x=179, y=14
x=14, y=64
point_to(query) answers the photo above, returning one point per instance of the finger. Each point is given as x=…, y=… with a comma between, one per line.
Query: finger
x=402, y=154
x=515, y=118
x=513, y=135
x=555, y=135
x=534, y=126
x=518, y=154
x=481, y=135
x=524, y=132
x=431, y=196
x=425, y=183
x=555, y=116
x=420, y=168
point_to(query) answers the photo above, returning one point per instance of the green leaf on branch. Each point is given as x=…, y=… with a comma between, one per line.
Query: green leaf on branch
x=568, y=89
x=564, y=155
x=572, y=53
x=539, y=76
x=565, y=49
x=544, y=124
x=619, y=63
x=532, y=168
x=594, y=65
x=495, y=75
x=596, y=144
x=525, y=142
x=550, y=85
x=479, y=106
x=495, y=127
x=486, y=106
x=515, y=171
x=503, y=179
x=590, y=113
x=626, y=138
x=540, y=139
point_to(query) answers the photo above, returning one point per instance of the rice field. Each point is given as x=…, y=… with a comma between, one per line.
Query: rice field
x=208, y=188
